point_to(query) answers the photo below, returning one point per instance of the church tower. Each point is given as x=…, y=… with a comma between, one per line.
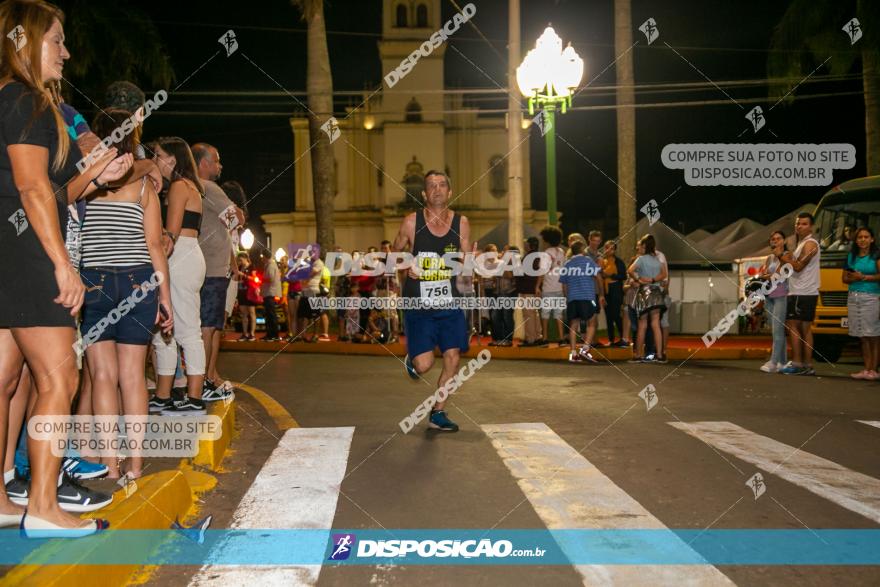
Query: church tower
x=395, y=135
x=412, y=119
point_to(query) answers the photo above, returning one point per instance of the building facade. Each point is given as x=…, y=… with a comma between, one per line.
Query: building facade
x=386, y=145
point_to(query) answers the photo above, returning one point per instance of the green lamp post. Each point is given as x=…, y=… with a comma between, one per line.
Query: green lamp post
x=547, y=77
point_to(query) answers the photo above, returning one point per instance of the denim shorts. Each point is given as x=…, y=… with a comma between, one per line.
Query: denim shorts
x=120, y=304
x=213, y=302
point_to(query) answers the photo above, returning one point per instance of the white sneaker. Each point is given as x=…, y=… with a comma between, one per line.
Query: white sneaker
x=770, y=367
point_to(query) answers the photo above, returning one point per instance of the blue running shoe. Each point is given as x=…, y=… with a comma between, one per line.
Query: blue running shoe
x=411, y=369
x=79, y=468
x=439, y=421
x=791, y=369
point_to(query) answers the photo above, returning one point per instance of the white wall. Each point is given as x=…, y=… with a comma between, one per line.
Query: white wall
x=700, y=299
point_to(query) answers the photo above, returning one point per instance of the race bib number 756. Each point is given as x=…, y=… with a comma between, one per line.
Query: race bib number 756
x=436, y=291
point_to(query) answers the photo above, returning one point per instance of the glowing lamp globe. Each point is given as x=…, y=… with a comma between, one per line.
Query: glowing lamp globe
x=548, y=69
x=247, y=239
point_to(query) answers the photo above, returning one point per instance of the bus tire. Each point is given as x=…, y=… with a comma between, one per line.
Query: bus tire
x=827, y=347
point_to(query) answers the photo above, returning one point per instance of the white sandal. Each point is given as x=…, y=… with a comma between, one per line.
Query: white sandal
x=34, y=527
x=10, y=520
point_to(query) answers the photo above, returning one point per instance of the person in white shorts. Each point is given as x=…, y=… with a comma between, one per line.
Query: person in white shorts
x=549, y=286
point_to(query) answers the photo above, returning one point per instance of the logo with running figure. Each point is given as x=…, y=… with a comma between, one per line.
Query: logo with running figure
x=757, y=485
x=853, y=29
x=756, y=117
x=650, y=30
x=19, y=39
x=19, y=221
x=229, y=42
x=342, y=544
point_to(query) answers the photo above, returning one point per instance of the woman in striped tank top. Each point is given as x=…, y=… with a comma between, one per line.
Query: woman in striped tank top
x=125, y=272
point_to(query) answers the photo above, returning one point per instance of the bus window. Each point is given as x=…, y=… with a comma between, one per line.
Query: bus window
x=836, y=224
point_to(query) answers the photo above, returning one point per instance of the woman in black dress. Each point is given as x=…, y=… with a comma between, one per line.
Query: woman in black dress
x=38, y=179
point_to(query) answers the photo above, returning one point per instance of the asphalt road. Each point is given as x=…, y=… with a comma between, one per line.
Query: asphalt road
x=656, y=466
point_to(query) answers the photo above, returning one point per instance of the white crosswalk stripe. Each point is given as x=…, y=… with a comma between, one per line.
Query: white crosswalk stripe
x=853, y=490
x=569, y=492
x=298, y=487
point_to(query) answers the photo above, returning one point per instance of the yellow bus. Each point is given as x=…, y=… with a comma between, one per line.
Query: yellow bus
x=850, y=205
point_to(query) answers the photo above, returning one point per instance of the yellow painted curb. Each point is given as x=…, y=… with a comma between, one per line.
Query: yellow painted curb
x=199, y=483
x=211, y=451
x=276, y=411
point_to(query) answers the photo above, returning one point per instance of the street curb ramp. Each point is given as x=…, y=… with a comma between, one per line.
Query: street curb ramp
x=160, y=499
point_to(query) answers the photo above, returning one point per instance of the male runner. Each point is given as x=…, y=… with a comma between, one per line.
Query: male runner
x=432, y=232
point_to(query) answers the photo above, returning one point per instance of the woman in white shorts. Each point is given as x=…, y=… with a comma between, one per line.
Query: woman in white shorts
x=862, y=273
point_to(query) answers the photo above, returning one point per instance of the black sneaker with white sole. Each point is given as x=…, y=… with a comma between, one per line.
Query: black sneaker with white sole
x=75, y=497
x=17, y=489
x=214, y=393
x=158, y=404
x=189, y=405
x=178, y=393
x=208, y=385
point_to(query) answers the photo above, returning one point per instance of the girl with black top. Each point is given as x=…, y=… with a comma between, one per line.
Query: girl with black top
x=186, y=266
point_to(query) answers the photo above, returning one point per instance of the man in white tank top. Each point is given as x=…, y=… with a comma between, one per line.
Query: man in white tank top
x=803, y=293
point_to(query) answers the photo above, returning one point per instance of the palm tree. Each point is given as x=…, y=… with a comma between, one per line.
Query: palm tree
x=112, y=41
x=626, y=127
x=810, y=32
x=319, y=85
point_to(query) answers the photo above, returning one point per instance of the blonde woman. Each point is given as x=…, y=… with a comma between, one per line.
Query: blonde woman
x=38, y=180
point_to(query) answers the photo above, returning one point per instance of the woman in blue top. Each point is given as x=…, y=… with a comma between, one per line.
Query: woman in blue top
x=650, y=272
x=862, y=273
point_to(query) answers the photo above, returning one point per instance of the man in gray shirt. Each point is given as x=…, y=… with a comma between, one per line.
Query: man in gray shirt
x=218, y=216
x=270, y=290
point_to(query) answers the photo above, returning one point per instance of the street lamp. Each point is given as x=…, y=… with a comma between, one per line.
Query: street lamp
x=547, y=77
x=247, y=239
x=280, y=254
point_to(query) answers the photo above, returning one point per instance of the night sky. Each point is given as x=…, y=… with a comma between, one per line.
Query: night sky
x=725, y=40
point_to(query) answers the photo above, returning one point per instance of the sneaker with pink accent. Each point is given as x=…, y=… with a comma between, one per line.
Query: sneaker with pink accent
x=872, y=375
